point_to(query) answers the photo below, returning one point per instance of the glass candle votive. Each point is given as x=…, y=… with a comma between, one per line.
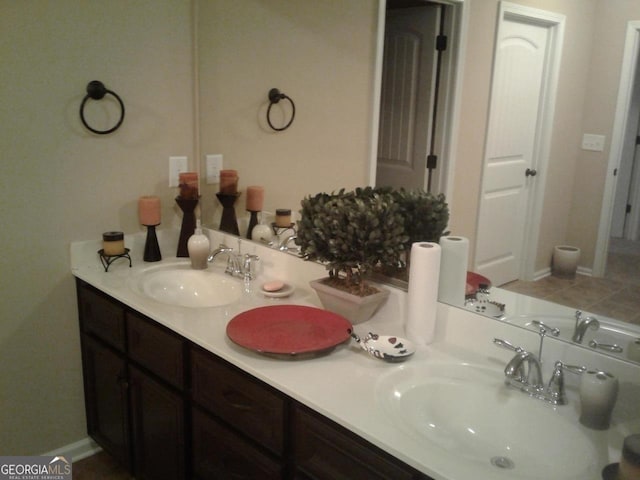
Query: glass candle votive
x=113, y=243
x=283, y=217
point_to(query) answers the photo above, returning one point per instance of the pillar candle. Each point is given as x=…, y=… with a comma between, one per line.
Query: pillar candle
x=188, y=185
x=229, y=182
x=149, y=210
x=255, y=198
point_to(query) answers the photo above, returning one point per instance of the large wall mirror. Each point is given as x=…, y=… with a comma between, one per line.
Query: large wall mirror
x=327, y=55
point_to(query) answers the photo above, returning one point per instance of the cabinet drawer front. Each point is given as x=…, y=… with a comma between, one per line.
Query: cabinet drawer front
x=238, y=399
x=220, y=453
x=325, y=450
x=156, y=348
x=101, y=317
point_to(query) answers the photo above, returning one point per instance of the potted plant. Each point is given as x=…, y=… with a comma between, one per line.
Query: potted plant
x=351, y=232
x=425, y=218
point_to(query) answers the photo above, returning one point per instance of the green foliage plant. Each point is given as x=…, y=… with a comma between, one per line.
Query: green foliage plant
x=426, y=215
x=352, y=232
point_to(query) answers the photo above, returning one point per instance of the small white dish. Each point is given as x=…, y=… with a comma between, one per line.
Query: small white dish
x=285, y=291
x=386, y=347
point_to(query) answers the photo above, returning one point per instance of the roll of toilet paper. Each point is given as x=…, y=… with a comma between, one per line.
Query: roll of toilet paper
x=422, y=295
x=453, y=270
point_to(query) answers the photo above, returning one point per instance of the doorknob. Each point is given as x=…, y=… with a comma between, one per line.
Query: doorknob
x=529, y=172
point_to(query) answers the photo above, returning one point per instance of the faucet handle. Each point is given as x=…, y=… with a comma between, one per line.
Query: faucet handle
x=508, y=345
x=248, y=266
x=546, y=328
x=555, y=389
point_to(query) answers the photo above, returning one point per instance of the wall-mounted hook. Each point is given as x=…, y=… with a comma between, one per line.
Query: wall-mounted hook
x=274, y=97
x=96, y=91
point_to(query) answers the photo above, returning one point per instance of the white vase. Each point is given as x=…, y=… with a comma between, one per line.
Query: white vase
x=354, y=308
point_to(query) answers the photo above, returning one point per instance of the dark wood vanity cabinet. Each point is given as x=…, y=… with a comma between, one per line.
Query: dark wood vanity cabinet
x=169, y=409
x=133, y=377
x=106, y=398
x=325, y=450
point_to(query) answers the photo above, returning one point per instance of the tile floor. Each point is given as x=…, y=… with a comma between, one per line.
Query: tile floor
x=616, y=295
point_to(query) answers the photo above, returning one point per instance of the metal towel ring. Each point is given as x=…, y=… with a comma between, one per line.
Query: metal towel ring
x=96, y=90
x=274, y=97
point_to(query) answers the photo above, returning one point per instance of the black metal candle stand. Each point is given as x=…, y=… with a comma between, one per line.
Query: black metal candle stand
x=253, y=221
x=188, y=207
x=151, y=247
x=228, y=222
x=107, y=260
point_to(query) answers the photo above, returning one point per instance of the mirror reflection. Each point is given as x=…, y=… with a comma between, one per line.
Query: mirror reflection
x=328, y=56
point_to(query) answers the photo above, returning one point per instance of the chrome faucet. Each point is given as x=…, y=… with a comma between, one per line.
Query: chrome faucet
x=524, y=373
x=237, y=265
x=284, y=244
x=581, y=326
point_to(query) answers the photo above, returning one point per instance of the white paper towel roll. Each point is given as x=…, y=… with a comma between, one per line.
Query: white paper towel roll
x=422, y=297
x=453, y=270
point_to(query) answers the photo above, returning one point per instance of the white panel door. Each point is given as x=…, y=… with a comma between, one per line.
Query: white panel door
x=515, y=112
x=407, y=96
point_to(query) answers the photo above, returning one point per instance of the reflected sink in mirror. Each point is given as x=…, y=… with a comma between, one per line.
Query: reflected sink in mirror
x=483, y=428
x=179, y=285
x=609, y=338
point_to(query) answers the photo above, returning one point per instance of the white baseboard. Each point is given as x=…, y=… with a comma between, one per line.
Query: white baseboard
x=545, y=272
x=76, y=451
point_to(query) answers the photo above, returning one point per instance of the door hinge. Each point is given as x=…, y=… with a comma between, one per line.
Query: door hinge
x=432, y=161
x=615, y=172
x=628, y=210
x=441, y=43
x=638, y=140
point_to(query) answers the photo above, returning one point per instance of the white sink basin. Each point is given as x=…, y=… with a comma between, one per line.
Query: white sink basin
x=483, y=428
x=178, y=284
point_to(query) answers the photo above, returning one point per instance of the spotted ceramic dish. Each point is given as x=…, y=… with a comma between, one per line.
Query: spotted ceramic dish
x=386, y=347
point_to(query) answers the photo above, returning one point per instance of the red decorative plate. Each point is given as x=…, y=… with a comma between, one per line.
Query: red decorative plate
x=288, y=329
x=473, y=282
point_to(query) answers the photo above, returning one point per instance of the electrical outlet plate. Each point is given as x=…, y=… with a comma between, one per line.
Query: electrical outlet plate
x=214, y=165
x=592, y=142
x=177, y=165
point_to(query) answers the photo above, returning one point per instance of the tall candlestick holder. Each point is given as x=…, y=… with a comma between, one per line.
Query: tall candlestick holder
x=188, y=207
x=151, y=247
x=228, y=222
x=253, y=221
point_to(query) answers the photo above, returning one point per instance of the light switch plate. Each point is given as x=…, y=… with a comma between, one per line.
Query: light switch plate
x=214, y=165
x=177, y=165
x=592, y=142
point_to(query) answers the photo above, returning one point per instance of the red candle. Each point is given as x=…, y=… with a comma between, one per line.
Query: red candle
x=229, y=182
x=255, y=198
x=188, y=185
x=149, y=210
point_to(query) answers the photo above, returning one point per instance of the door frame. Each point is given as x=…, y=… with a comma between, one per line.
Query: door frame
x=555, y=23
x=623, y=104
x=451, y=73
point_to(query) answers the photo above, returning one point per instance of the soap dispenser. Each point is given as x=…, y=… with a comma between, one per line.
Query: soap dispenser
x=198, y=248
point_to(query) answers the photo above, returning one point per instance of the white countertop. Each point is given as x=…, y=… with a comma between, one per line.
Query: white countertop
x=342, y=385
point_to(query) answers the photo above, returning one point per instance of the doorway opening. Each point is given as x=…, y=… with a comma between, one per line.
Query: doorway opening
x=619, y=232
x=416, y=74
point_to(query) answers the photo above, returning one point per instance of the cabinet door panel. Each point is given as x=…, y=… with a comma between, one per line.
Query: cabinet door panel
x=158, y=429
x=220, y=453
x=106, y=399
x=156, y=348
x=101, y=317
x=326, y=451
x=237, y=398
